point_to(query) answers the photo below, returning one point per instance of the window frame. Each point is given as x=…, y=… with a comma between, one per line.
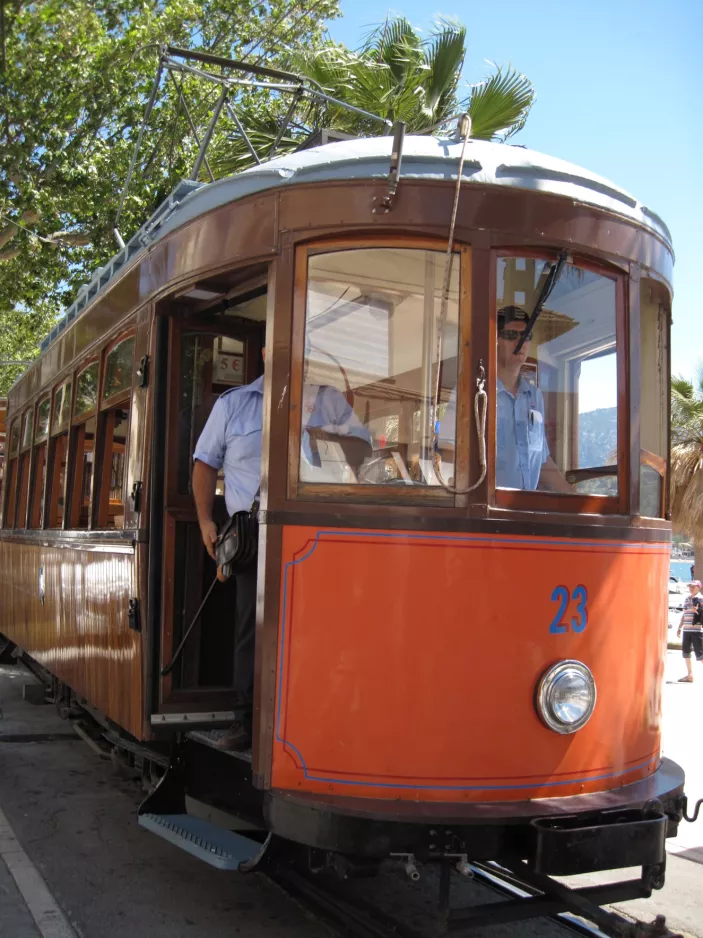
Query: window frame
x=39, y=466
x=74, y=473
x=557, y=502
x=10, y=468
x=300, y=491
x=24, y=470
x=100, y=500
x=118, y=396
x=67, y=379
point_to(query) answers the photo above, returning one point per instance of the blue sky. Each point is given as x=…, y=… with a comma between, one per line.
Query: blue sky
x=618, y=91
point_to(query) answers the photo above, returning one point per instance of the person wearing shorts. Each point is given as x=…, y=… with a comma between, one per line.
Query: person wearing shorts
x=692, y=627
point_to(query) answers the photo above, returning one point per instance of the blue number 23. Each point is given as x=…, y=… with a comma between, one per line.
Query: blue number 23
x=561, y=596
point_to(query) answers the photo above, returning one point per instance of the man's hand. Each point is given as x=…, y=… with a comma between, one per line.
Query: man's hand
x=678, y=632
x=208, y=529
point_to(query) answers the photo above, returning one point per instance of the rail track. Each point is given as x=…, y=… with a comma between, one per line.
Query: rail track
x=504, y=897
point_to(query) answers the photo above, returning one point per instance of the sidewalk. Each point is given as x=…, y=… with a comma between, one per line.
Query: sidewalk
x=15, y=918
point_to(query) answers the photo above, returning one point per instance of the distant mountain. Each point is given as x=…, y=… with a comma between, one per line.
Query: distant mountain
x=598, y=437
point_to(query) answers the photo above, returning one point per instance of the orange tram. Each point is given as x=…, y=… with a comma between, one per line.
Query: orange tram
x=455, y=662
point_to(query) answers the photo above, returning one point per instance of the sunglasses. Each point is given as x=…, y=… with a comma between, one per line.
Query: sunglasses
x=511, y=335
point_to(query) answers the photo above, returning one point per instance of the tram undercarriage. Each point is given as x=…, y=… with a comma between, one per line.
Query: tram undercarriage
x=522, y=847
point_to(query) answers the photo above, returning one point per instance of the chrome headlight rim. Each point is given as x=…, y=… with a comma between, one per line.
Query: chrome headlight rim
x=546, y=684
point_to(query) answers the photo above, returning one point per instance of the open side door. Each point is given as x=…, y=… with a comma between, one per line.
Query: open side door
x=206, y=356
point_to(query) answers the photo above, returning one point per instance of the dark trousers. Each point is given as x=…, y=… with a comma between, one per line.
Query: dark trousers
x=244, y=629
x=692, y=642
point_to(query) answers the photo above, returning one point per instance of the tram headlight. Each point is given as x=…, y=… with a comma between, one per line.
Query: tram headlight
x=566, y=696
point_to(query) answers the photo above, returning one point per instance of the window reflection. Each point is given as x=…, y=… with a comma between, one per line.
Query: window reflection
x=119, y=365
x=556, y=399
x=86, y=390
x=654, y=396
x=84, y=442
x=58, y=480
x=371, y=366
x=43, y=412
x=117, y=427
x=62, y=404
x=14, y=436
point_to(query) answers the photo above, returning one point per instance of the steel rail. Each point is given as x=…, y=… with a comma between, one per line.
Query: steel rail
x=355, y=918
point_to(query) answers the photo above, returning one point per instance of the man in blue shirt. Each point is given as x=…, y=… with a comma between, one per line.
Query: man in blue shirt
x=522, y=452
x=231, y=440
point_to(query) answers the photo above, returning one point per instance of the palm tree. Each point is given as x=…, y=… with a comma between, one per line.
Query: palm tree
x=400, y=76
x=687, y=460
x=395, y=75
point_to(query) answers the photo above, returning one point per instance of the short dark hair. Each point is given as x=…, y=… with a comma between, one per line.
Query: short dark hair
x=508, y=314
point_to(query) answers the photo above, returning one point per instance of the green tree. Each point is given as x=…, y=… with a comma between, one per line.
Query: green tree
x=687, y=460
x=401, y=76
x=75, y=78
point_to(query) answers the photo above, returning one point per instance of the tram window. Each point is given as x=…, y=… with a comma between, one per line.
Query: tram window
x=86, y=390
x=38, y=487
x=27, y=426
x=43, y=413
x=57, y=468
x=23, y=469
x=10, y=491
x=111, y=507
x=654, y=396
x=119, y=365
x=371, y=366
x=10, y=482
x=209, y=366
x=84, y=449
x=556, y=400
x=14, y=437
x=19, y=520
x=62, y=407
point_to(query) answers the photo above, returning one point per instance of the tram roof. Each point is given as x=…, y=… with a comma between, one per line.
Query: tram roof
x=424, y=158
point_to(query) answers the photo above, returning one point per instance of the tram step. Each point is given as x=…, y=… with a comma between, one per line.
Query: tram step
x=221, y=848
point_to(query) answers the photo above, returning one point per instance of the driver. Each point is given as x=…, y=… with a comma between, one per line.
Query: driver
x=522, y=452
x=231, y=440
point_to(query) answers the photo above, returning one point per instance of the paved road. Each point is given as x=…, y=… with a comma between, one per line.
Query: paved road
x=89, y=871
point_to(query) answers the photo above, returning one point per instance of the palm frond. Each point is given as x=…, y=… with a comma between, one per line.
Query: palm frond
x=499, y=106
x=444, y=58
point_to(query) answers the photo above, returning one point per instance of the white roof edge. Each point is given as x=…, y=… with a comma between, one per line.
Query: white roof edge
x=424, y=158
x=428, y=158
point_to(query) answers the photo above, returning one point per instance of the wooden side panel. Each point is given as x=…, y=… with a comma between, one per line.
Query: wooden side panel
x=408, y=663
x=80, y=631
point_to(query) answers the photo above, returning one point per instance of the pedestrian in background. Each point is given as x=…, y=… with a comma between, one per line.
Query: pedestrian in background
x=692, y=627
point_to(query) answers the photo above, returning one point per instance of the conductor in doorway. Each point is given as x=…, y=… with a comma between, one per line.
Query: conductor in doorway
x=231, y=441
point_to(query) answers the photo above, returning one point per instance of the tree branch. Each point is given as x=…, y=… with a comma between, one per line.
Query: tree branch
x=10, y=230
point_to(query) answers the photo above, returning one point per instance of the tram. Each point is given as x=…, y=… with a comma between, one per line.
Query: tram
x=452, y=662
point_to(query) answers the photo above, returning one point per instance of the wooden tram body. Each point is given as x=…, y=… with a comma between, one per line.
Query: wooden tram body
x=402, y=630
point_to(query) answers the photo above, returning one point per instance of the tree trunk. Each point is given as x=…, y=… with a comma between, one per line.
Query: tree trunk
x=698, y=553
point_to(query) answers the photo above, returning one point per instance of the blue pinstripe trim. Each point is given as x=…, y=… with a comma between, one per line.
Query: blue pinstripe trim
x=428, y=537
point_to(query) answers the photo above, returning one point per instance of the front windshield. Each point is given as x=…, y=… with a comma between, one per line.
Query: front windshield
x=371, y=363
x=556, y=399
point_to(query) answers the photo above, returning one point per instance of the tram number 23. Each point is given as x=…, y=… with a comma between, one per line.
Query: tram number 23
x=579, y=596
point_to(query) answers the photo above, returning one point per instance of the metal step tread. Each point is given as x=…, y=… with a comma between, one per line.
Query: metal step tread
x=221, y=848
